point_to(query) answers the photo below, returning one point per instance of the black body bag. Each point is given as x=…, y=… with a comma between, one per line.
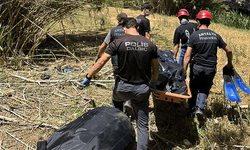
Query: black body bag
x=171, y=75
x=103, y=128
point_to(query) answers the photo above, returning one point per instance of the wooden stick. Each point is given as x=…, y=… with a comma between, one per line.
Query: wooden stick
x=8, y=119
x=2, y=147
x=101, y=84
x=103, y=80
x=55, y=81
x=58, y=95
x=43, y=124
x=49, y=125
x=13, y=112
x=24, y=128
x=240, y=146
x=165, y=140
x=41, y=81
x=106, y=71
x=241, y=106
x=64, y=93
x=19, y=140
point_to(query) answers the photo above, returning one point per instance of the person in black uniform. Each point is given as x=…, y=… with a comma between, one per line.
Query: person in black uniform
x=138, y=65
x=113, y=34
x=183, y=33
x=144, y=24
x=202, y=55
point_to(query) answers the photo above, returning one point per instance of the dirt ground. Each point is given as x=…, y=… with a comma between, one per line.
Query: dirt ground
x=32, y=108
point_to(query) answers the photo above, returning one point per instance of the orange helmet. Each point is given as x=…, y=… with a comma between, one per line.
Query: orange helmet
x=183, y=12
x=203, y=15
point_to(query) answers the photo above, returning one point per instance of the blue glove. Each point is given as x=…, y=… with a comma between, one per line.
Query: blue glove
x=175, y=59
x=86, y=81
x=97, y=58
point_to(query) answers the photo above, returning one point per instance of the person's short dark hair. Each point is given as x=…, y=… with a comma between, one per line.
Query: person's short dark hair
x=121, y=17
x=146, y=6
x=130, y=23
x=204, y=21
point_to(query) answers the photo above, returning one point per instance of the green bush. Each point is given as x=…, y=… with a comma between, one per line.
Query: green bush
x=231, y=19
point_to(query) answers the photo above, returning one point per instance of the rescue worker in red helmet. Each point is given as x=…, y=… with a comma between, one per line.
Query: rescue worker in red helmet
x=202, y=55
x=183, y=33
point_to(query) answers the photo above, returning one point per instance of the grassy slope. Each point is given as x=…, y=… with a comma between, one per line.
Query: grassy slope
x=163, y=28
x=89, y=38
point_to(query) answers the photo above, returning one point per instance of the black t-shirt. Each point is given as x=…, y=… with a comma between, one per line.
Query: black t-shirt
x=204, y=45
x=114, y=33
x=135, y=53
x=183, y=33
x=144, y=24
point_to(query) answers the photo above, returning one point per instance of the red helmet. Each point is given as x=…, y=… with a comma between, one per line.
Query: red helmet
x=183, y=12
x=204, y=14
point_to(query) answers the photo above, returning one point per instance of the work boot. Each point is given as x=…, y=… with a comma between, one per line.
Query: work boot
x=128, y=109
x=190, y=112
x=200, y=116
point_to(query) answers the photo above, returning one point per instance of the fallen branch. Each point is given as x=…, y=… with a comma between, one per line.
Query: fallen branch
x=2, y=147
x=56, y=81
x=42, y=124
x=13, y=113
x=239, y=146
x=64, y=93
x=19, y=140
x=165, y=140
x=58, y=94
x=48, y=125
x=103, y=80
x=21, y=129
x=42, y=81
x=8, y=119
x=101, y=84
x=241, y=106
x=102, y=73
x=64, y=105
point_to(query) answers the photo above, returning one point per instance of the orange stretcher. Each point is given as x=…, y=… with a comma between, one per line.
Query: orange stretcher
x=171, y=97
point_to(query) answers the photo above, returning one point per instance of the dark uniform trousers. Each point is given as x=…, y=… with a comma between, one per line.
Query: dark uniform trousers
x=139, y=95
x=201, y=81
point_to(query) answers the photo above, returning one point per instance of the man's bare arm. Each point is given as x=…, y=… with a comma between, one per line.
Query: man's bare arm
x=99, y=64
x=229, y=56
x=187, y=57
x=176, y=49
x=102, y=49
x=147, y=35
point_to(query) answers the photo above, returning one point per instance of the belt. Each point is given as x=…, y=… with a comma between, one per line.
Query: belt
x=204, y=65
x=131, y=83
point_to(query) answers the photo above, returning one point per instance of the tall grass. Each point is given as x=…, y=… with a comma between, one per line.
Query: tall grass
x=231, y=19
x=219, y=11
x=25, y=22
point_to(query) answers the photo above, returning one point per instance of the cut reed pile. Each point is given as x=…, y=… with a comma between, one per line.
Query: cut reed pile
x=23, y=23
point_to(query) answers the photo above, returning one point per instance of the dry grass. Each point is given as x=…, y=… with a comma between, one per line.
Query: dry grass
x=61, y=102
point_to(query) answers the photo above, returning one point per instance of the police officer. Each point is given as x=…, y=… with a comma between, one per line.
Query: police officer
x=144, y=24
x=202, y=55
x=182, y=33
x=138, y=64
x=113, y=34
